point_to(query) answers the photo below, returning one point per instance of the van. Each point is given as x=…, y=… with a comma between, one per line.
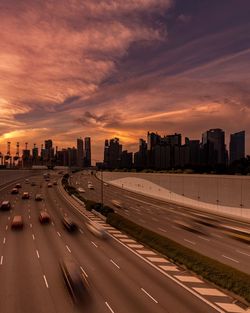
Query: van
x=17, y=222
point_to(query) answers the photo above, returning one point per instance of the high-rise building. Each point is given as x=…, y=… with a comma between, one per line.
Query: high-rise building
x=80, y=155
x=112, y=153
x=213, y=146
x=87, y=157
x=237, y=146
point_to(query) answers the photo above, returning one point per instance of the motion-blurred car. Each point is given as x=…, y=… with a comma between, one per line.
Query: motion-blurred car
x=38, y=197
x=69, y=224
x=17, y=222
x=25, y=195
x=105, y=184
x=76, y=282
x=27, y=181
x=97, y=229
x=5, y=205
x=81, y=190
x=14, y=191
x=49, y=185
x=18, y=185
x=44, y=217
x=90, y=186
x=117, y=204
x=55, y=182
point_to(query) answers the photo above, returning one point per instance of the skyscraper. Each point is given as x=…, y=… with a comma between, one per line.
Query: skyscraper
x=87, y=158
x=80, y=155
x=237, y=146
x=214, y=148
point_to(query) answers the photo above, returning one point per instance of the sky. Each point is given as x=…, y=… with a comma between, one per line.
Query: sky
x=115, y=68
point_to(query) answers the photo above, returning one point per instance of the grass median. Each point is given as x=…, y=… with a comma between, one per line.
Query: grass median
x=220, y=274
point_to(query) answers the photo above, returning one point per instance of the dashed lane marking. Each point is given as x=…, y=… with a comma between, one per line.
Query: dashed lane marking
x=94, y=244
x=120, y=236
x=37, y=253
x=189, y=241
x=231, y=259
x=113, y=262
x=1, y=261
x=109, y=307
x=45, y=280
x=149, y=295
x=4, y=240
x=84, y=272
x=68, y=249
x=58, y=234
x=33, y=236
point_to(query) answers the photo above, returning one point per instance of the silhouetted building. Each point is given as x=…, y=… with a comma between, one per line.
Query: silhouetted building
x=237, y=146
x=87, y=157
x=112, y=153
x=213, y=147
x=140, y=157
x=126, y=159
x=80, y=155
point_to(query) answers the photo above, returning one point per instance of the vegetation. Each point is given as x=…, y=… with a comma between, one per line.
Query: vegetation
x=220, y=274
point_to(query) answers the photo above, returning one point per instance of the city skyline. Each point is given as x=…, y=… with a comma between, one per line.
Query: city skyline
x=120, y=68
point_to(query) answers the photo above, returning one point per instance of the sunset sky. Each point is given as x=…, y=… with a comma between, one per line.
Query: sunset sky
x=106, y=68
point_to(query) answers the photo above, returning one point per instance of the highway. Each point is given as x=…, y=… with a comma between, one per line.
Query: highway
x=119, y=280
x=163, y=218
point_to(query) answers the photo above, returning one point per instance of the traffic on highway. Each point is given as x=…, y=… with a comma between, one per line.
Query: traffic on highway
x=57, y=257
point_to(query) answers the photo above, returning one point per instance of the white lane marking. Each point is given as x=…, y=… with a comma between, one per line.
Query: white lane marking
x=115, y=264
x=241, y=252
x=53, y=224
x=1, y=261
x=4, y=240
x=6, y=227
x=84, y=272
x=136, y=246
x=215, y=235
x=157, y=259
x=109, y=307
x=29, y=216
x=212, y=305
x=81, y=231
x=33, y=236
x=161, y=229
x=149, y=295
x=58, y=234
x=127, y=240
x=189, y=241
x=8, y=217
x=231, y=259
x=68, y=249
x=30, y=225
x=204, y=238
x=37, y=253
x=210, y=292
x=94, y=244
x=45, y=280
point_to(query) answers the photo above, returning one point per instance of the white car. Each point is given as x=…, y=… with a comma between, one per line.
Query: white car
x=90, y=186
x=97, y=229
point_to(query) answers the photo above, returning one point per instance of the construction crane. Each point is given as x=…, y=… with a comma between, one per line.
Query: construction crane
x=16, y=157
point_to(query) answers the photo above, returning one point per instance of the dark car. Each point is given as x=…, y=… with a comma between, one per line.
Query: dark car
x=69, y=224
x=14, y=191
x=5, y=206
x=76, y=282
x=33, y=183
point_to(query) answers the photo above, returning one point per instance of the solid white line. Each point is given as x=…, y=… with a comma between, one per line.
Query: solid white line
x=33, y=236
x=1, y=261
x=4, y=240
x=109, y=307
x=161, y=229
x=6, y=227
x=204, y=238
x=227, y=257
x=58, y=234
x=94, y=244
x=37, y=253
x=45, y=280
x=84, y=272
x=152, y=298
x=68, y=249
x=115, y=264
x=244, y=253
x=189, y=241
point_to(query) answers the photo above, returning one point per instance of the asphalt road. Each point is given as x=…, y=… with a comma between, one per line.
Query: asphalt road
x=31, y=280
x=163, y=218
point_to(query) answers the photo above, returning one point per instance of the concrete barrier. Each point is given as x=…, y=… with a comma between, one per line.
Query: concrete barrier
x=224, y=195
